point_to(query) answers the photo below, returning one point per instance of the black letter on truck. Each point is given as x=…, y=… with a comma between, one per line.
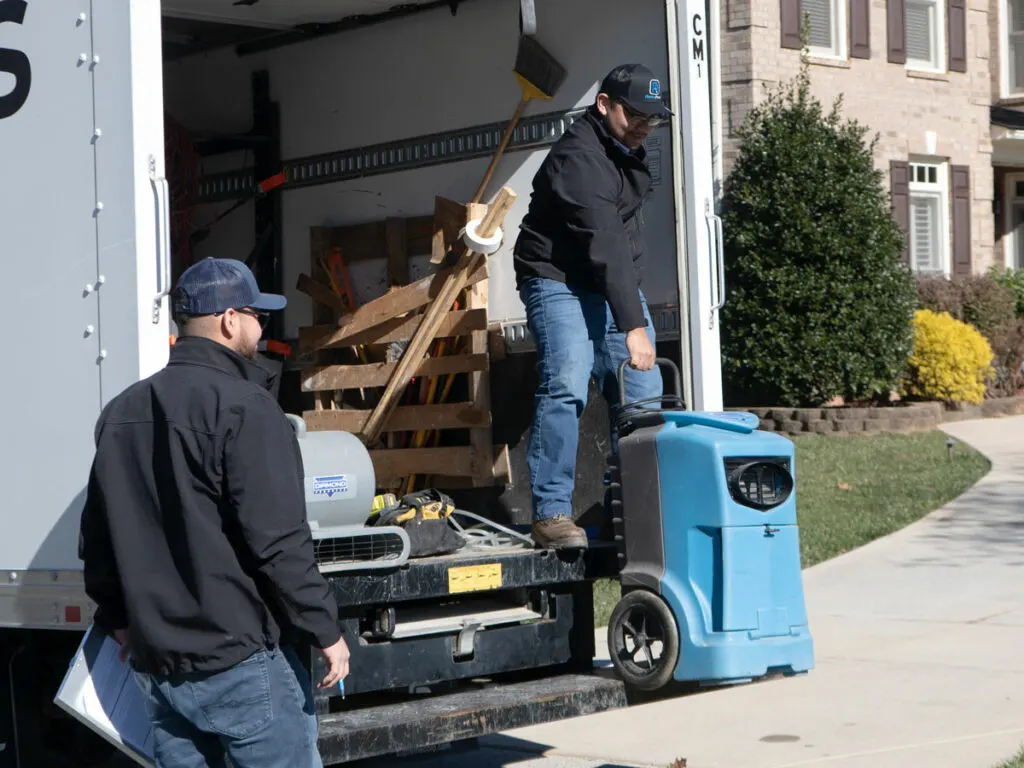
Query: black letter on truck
x=14, y=62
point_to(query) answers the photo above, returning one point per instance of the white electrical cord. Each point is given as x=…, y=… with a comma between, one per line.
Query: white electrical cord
x=479, y=537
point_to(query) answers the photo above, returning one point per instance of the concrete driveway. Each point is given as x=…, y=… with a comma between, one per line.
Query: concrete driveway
x=920, y=659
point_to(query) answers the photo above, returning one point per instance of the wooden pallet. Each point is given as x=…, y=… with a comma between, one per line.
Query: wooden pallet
x=439, y=444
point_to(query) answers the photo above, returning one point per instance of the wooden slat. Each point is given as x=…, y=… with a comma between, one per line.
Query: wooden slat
x=480, y=388
x=449, y=219
x=404, y=418
x=502, y=473
x=458, y=323
x=467, y=264
x=401, y=300
x=393, y=463
x=379, y=374
x=319, y=293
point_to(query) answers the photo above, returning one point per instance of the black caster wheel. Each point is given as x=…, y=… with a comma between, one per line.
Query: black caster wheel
x=643, y=640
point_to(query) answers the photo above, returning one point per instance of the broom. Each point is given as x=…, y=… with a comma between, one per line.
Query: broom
x=540, y=76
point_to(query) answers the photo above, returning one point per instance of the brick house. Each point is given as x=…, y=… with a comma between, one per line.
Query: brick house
x=928, y=77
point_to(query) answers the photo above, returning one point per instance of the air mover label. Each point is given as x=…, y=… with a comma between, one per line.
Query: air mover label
x=329, y=486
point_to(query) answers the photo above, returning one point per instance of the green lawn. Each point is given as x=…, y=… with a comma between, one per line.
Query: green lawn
x=852, y=490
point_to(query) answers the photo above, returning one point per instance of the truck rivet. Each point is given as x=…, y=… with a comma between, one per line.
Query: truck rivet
x=82, y=58
x=81, y=18
x=89, y=288
x=95, y=58
x=101, y=280
x=99, y=206
x=103, y=354
x=90, y=330
x=97, y=133
x=12, y=577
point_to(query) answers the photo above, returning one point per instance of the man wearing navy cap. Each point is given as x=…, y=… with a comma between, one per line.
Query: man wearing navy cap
x=579, y=265
x=195, y=542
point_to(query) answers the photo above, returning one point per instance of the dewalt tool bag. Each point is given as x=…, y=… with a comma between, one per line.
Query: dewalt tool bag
x=424, y=516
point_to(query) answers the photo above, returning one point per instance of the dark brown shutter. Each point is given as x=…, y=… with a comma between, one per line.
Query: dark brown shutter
x=860, y=29
x=956, y=25
x=960, y=177
x=792, y=16
x=896, y=29
x=899, y=184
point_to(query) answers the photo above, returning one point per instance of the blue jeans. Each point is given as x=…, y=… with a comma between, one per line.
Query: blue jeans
x=576, y=338
x=259, y=713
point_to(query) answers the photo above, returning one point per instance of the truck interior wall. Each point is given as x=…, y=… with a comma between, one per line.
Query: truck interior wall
x=420, y=75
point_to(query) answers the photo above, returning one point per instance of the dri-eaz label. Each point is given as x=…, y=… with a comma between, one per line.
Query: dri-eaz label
x=332, y=485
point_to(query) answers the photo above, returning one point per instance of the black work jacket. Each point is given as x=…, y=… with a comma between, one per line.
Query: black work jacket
x=194, y=532
x=584, y=226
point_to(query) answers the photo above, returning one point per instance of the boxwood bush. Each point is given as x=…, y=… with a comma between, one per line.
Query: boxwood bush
x=819, y=302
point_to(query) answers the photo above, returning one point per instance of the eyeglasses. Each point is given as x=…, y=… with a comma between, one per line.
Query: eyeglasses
x=261, y=317
x=639, y=117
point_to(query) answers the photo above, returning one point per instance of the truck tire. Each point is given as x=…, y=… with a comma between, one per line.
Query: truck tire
x=640, y=622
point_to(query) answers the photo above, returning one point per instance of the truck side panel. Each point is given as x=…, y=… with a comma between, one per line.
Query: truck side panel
x=78, y=230
x=51, y=388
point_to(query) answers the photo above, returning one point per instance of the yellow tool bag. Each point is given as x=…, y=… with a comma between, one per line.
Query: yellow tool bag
x=424, y=516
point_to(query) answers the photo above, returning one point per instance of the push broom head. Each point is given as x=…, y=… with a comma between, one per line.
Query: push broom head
x=540, y=76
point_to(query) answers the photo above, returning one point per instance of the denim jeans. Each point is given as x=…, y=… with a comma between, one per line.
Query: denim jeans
x=258, y=713
x=576, y=338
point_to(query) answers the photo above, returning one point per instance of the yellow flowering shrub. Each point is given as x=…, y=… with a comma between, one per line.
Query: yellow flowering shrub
x=951, y=360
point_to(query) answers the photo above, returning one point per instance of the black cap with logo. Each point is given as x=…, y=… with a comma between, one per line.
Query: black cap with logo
x=637, y=87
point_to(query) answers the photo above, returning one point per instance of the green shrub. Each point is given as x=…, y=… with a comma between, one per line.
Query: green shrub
x=819, y=301
x=990, y=306
x=1014, y=280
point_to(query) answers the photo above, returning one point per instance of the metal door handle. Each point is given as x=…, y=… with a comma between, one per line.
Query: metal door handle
x=161, y=191
x=718, y=244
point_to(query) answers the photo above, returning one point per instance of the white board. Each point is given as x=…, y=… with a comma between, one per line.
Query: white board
x=100, y=691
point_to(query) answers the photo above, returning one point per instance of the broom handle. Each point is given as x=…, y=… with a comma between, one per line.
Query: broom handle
x=501, y=149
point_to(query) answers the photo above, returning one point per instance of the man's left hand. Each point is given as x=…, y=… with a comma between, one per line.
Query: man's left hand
x=124, y=640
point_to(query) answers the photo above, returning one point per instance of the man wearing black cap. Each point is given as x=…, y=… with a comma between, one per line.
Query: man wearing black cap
x=196, y=548
x=579, y=264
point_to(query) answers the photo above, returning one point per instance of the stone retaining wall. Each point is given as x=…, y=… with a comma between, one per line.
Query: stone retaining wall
x=910, y=417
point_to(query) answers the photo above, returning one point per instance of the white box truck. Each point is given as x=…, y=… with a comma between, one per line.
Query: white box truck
x=371, y=109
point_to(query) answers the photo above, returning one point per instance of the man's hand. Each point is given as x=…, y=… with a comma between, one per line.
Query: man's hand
x=641, y=351
x=337, y=659
x=125, y=641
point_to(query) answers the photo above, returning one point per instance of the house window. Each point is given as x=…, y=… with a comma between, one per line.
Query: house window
x=929, y=218
x=1013, y=48
x=925, y=34
x=826, y=20
x=1014, y=240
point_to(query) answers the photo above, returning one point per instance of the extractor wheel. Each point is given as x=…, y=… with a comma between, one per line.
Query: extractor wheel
x=643, y=640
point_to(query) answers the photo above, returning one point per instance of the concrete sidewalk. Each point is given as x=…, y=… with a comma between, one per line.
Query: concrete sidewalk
x=919, y=642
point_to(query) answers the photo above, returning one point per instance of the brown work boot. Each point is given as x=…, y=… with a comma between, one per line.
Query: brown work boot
x=559, y=533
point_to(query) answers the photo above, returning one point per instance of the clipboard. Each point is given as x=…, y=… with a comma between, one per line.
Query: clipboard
x=100, y=691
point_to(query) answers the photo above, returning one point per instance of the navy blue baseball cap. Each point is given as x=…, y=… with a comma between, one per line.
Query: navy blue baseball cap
x=214, y=285
x=637, y=87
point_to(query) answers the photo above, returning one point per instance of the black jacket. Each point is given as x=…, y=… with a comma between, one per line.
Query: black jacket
x=584, y=226
x=194, y=532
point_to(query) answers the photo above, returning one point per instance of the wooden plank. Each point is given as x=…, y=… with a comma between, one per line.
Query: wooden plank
x=396, y=242
x=379, y=374
x=502, y=473
x=480, y=388
x=406, y=418
x=453, y=285
x=457, y=323
x=366, y=241
x=319, y=293
x=390, y=464
x=449, y=219
x=399, y=301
